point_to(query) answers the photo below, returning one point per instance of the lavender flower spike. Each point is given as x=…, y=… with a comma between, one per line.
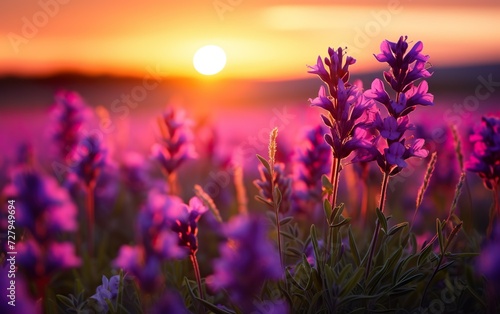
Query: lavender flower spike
x=89, y=158
x=44, y=208
x=69, y=113
x=107, y=291
x=247, y=260
x=485, y=157
x=176, y=143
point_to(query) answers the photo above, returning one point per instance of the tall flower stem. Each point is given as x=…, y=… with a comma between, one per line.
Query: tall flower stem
x=383, y=194
x=334, y=178
x=173, y=184
x=196, y=267
x=90, y=216
x=276, y=211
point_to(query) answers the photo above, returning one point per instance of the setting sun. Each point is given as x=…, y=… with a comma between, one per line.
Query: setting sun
x=209, y=60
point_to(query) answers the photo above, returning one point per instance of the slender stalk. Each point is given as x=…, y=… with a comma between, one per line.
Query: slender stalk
x=196, y=267
x=276, y=211
x=90, y=216
x=383, y=194
x=173, y=184
x=334, y=178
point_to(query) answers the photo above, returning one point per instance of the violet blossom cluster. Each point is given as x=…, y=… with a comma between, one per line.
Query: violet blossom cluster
x=167, y=230
x=485, y=157
x=246, y=261
x=312, y=161
x=69, y=113
x=45, y=211
x=89, y=158
x=281, y=180
x=487, y=262
x=107, y=291
x=406, y=67
x=348, y=109
x=176, y=144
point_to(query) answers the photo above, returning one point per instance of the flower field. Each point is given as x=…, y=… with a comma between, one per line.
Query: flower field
x=365, y=211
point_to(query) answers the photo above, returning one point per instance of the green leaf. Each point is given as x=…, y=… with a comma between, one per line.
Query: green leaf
x=287, y=235
x=265, y=201
x=285, y=220
x=325, y=181
x=345, y=271
x=424, y=254
x=264, y=162
x=461, y=255
x=327, y=207
x=213, y=307
x=353, y=281
x=404, y=281
x=306, y=264
x=277, y=197
x=354, y=248
x=337, y=211
x=396, y=228
x=341, y=223
x=314, y=241
x=291, y=251
x=445, y=265
x=65, y=300
x=440, y=236
x=382, y=220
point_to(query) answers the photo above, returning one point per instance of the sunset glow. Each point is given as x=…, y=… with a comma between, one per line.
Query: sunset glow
x=209, y=60
x=262, y=39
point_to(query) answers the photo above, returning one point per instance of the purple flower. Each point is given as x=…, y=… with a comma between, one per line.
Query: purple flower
x=391, y=128
x=337, y=70
x=43, y=207
x=146, y=269
x=394, y=154
x=155, y=221
x=185, y=224
x=348, y=109
x=487, y=262
x=41, y=261
x=25, y=155
x=485, y=157
x=107, y=291
x=266, y=184
x=246, y=261
x=170, y=302
x=176, y=143
x=406, y=68
x=69, y=113
x=312, y=162
x=89, y=157
x=133, y=173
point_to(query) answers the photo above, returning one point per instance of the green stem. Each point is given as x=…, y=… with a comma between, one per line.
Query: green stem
x=276, y=212
x=196, y=267
x=383, y=194
x=334, y=178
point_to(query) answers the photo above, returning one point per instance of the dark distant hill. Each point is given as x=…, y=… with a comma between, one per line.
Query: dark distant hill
x=33, y=91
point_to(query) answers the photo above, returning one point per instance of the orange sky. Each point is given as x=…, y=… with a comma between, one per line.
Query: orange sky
x=262, y=39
